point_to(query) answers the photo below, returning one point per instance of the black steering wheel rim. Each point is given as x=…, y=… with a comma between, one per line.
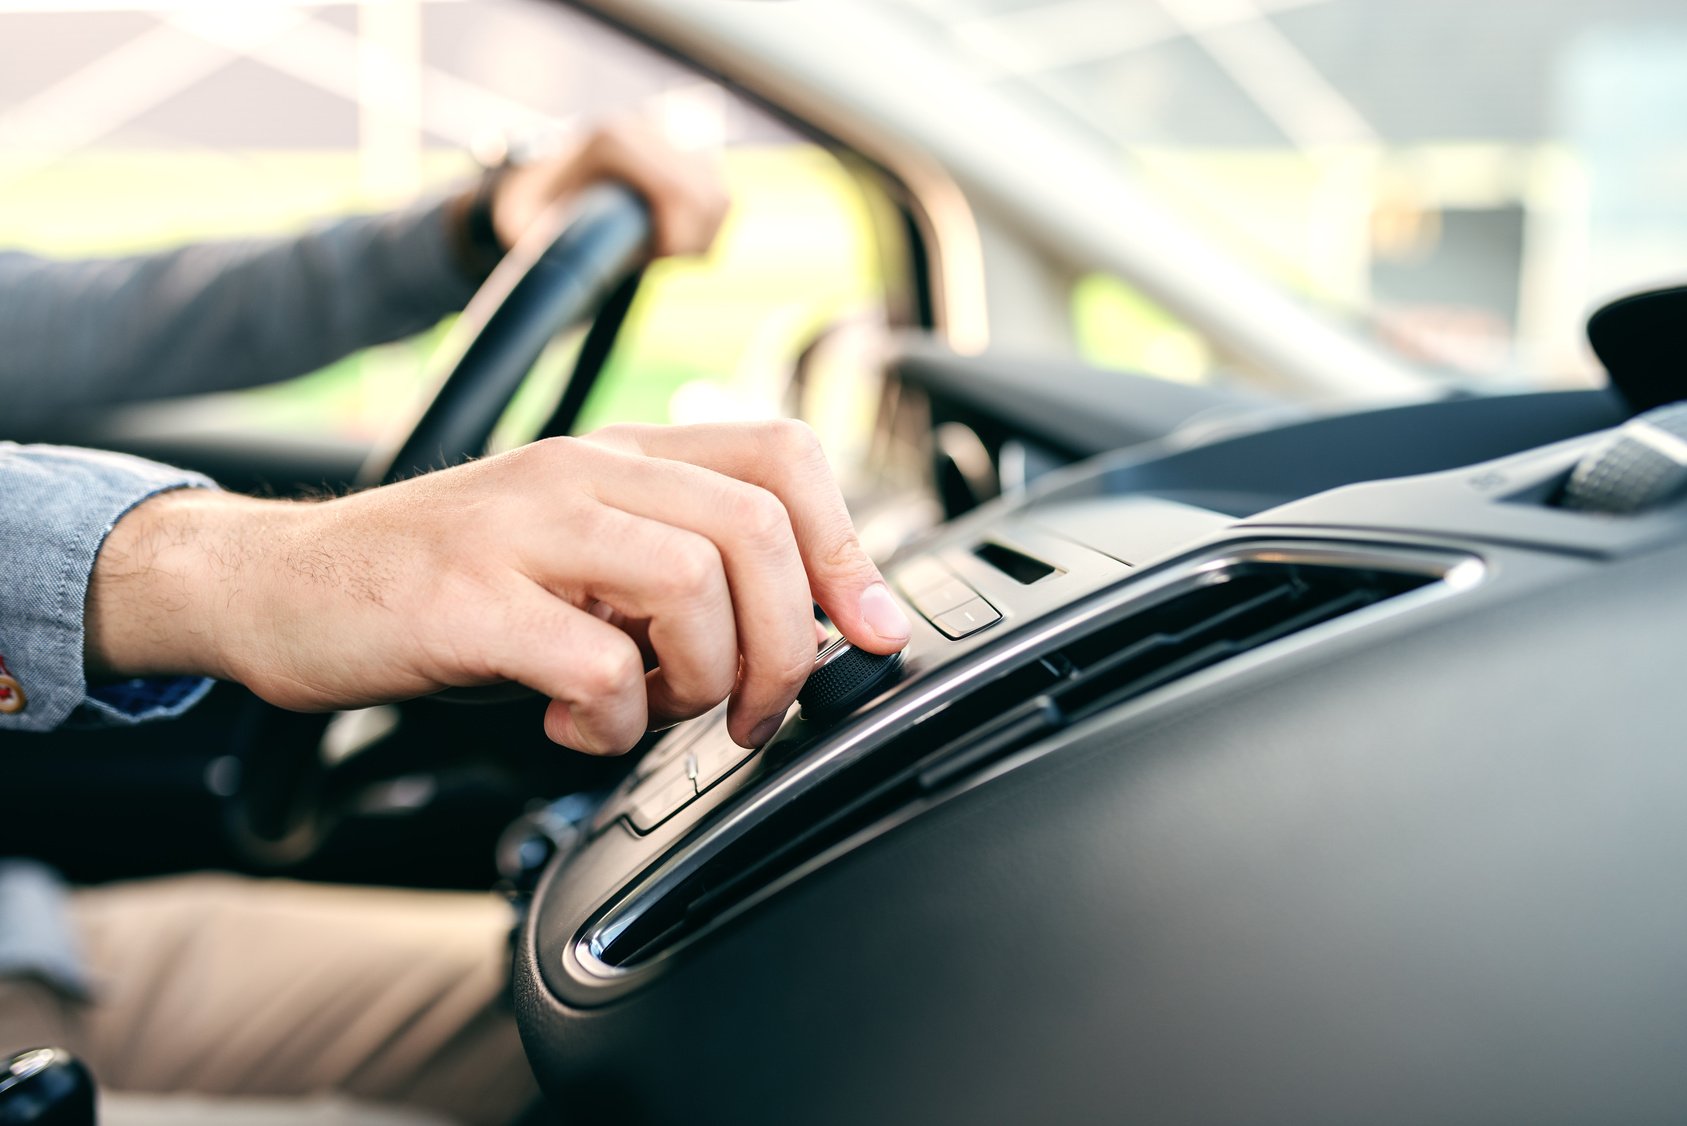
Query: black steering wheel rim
x=557, y=277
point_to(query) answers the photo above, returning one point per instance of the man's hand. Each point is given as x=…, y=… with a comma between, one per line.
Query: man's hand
x=687, y=197
x=571, y=565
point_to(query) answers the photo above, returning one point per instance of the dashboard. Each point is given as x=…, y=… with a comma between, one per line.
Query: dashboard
x=1320, y=773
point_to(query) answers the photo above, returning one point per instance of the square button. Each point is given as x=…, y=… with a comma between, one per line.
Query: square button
x=675, y=743
x=967, y=618
x=650, y=805
x=718, y=756
x=921, y=575
x=944, y=597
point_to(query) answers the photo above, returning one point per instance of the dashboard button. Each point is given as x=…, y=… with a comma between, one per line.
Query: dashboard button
x=717, y=756
x=943, y=597
x=967, y=618
x=675, y=743
x=665, y=795
x=922, y=575
x=616, y=803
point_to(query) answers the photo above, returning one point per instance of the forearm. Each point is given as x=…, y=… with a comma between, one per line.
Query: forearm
x=294, y=599
x=568, y=566
x=297, y=600
x=217, y=316
x=174, y=579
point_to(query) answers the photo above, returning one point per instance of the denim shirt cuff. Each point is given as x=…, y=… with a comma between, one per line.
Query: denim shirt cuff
x=57, y=505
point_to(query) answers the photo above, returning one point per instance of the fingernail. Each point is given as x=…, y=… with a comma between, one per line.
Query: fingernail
x=766, y=729
x=882, y=615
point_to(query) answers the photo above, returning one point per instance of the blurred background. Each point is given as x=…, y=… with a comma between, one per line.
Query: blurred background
x=125, y=128
x=1460, y=181
x=1465, y=179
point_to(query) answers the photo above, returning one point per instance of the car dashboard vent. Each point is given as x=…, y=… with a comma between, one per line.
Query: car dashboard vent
x=1195, y=617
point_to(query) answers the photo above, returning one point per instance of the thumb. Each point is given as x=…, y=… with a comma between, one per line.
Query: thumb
x=854, y=595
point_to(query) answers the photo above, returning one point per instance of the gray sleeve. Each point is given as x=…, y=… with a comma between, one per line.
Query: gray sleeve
x=217, y=316
x=37, y=938
x=56, y=507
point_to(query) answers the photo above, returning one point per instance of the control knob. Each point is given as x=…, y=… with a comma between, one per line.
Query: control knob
x=45, y=1087
x=843, y=677
x=1640, y=465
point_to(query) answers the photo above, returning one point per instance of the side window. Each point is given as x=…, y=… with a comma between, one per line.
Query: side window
x=716, y=338
x=1117, y=327
x=258, y=119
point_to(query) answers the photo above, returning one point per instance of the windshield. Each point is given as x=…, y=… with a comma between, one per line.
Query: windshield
x=1463, y=179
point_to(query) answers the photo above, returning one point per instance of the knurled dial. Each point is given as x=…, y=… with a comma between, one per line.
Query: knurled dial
x=843, y=677
x=1642, y=463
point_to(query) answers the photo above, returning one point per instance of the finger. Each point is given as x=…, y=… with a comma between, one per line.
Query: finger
x=770, y=600
x=785, y=458
x=687, y=209
x=585, y=665
x=669, y=579
x=686, y=192
x=636, y=628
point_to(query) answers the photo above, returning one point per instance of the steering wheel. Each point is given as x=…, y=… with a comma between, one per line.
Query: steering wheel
x=555, y=278
x=560, y=275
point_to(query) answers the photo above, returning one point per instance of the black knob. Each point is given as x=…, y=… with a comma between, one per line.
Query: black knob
x=45, y=1087
x=1643, y=463
x=844, y=676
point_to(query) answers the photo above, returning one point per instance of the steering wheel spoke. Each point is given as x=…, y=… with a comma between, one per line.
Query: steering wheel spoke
x=556, y=278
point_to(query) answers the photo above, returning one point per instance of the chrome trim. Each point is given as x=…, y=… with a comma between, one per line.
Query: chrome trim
x=1451, y=572
x=837, y=648
x=25, y=1065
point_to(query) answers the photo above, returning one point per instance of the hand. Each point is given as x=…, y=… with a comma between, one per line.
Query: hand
x=571, y=565
x=687, y=196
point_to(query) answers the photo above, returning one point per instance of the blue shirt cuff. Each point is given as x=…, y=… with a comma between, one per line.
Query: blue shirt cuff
x=57, y=505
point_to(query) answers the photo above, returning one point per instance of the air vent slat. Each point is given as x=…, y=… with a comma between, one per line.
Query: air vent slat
x=1223, y=608
x=1033, y=719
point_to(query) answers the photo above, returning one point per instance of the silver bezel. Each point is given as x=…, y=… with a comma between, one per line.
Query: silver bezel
x=1452, y=572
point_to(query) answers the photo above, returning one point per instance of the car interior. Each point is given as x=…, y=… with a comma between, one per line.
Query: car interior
x=1288, y=745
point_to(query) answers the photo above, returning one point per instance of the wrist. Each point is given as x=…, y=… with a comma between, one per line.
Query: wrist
x=178, y=586
x=474, y=234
